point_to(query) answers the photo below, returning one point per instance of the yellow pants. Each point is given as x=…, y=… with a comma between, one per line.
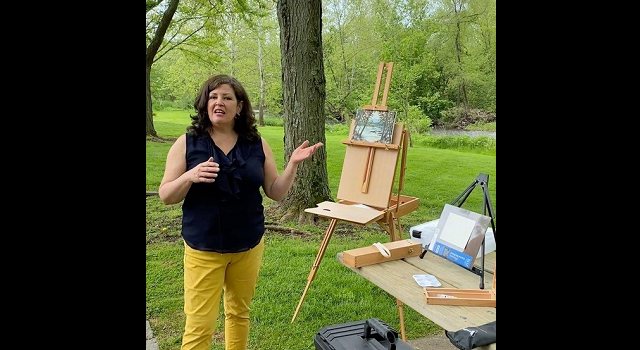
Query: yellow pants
x=206, y=274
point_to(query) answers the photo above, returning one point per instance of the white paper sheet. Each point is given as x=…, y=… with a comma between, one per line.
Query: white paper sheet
x=457, y=230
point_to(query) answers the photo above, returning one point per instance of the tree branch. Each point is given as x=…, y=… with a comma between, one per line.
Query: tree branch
x=152, y=49
x=178, y=43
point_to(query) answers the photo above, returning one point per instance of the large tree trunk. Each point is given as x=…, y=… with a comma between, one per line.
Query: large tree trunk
x=152, y=50
x=151, y=131
x=303, y=87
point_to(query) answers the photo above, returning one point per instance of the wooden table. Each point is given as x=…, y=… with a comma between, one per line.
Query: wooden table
x=396, y=278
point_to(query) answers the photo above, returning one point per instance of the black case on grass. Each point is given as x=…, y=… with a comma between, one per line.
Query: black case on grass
x=371, y=334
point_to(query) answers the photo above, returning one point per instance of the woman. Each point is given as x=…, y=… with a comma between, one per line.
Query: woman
x=217, y=167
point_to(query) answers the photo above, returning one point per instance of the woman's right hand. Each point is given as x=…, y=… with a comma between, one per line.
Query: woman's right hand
x=206, y=171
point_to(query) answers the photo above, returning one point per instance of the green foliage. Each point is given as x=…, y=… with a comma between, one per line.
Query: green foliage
x=417, y=121
x=434, y=104
x=338, y=129
x=479, y=144
x=459, y=118
x=418, y=35
x=273, y=121
x=464, y=45
x=151, y=4
x=165, y=105
x=481, y=126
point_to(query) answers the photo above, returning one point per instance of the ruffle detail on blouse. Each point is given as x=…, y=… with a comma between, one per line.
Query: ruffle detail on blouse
x=229, y=177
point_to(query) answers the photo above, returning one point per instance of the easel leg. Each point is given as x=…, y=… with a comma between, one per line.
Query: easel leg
x=316, y=263
x=402, y=332
x=392, y=227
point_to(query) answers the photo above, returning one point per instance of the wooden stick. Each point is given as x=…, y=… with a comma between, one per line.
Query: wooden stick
x=392, y=227
x=403, y=164
x=403, y=160
x=316, y=264
x=402, y=332
x=366, y=168
x=377, y=89
x=386, y=84
x=367, y=171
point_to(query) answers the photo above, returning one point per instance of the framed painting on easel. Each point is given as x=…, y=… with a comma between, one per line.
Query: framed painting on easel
x=374, y=126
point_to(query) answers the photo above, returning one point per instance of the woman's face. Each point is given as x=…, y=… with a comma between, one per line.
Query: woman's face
x=223, y=105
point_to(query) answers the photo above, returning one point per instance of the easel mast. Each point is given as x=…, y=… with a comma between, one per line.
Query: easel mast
x=376, y=91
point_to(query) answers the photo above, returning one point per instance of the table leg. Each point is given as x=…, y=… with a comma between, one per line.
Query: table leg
x=392, y=225
x=402, y=332
x=316, y=263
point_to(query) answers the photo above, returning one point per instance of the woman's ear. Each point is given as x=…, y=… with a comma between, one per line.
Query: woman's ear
x=239, y=107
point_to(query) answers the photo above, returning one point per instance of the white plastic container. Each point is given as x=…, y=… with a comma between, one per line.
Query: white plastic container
x=428, y=228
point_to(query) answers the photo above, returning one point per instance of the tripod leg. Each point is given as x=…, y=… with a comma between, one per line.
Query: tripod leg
x=316, y=264
x=487, y=203
x=486, y=206
x=465, y=193
x=482, y=264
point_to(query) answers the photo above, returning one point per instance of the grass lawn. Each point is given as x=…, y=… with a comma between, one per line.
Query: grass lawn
x=337, y=295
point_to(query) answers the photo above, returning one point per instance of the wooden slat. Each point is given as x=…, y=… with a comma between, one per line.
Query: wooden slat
x=370, y=144
x=407, y=205
x=396, y=278
x=376, y=108
x=389, y=66
x=376, y=91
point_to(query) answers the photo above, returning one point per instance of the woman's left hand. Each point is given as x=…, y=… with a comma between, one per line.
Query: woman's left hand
x=304, y=151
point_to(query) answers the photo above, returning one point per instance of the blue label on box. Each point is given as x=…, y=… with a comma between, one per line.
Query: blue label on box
x=453, y=255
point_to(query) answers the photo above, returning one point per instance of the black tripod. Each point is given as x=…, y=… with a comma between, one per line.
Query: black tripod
x=483, y=181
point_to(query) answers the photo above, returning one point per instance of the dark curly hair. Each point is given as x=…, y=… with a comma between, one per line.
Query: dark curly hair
x=245, y=124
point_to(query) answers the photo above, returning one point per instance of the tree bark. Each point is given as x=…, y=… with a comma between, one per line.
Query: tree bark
x=152, y=50
x=261, y=69
x=303, y=87
x=151, y=131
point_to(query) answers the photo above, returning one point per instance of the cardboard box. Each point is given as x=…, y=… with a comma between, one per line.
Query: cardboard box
x=371, y=255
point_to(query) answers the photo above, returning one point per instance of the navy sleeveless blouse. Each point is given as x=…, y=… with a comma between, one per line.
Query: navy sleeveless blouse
x=225, y=216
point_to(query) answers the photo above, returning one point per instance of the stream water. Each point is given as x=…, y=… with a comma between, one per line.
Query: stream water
x=456, y=132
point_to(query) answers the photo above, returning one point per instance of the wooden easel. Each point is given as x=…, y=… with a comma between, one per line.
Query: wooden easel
x=368, y=198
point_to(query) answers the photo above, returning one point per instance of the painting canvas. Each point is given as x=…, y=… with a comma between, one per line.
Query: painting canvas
x=374, y=126
x=459, y=235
